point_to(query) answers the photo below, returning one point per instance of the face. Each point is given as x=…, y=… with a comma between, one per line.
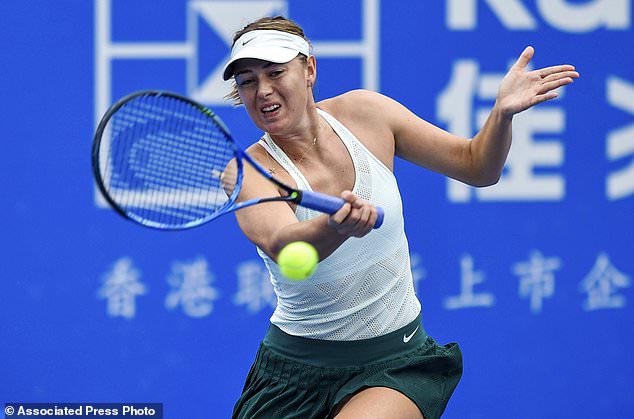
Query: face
x=276, y=96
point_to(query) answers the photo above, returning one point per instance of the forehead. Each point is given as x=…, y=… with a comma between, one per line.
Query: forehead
x=250, y=64
x=245, y=65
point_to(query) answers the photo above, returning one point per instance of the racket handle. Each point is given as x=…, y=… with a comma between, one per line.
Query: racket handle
x=330, y=204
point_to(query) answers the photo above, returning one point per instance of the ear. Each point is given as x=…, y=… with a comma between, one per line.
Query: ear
x=311, y=71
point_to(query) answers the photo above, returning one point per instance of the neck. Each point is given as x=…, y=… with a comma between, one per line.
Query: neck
x=306, y=136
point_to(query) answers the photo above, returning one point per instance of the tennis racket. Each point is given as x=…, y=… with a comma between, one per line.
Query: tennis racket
x=164, y=161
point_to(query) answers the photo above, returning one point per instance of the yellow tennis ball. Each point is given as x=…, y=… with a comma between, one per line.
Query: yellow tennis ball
x=298, y=260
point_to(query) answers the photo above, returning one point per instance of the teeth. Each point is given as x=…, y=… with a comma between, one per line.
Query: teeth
x=270, y=108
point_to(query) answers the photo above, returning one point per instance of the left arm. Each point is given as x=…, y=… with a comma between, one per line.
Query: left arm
x=518, y=91
x=479, y=161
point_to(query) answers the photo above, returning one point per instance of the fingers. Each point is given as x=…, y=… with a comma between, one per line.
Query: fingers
x=557, y=69
x=228, y=178
x=544, y=97
x=521, y=89
x=554, y=84
x=525, y=57
x=547, y=90
x=356, y=218
x=561, y=75
x=562, y=70
x=554, y=80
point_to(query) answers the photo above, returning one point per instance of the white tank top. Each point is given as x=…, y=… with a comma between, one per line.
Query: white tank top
x=364, y=289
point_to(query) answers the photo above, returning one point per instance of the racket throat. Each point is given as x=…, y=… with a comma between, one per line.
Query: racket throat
x=295, y=197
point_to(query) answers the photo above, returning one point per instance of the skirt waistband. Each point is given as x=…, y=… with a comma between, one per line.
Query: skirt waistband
x=328, y=353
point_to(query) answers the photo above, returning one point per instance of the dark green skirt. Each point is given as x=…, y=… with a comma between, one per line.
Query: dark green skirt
x=295, y=377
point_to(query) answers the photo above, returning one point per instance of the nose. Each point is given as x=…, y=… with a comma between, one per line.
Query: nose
x=265, y=87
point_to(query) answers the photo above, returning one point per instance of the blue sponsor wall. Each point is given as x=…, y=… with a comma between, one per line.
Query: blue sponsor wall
x=534, y=277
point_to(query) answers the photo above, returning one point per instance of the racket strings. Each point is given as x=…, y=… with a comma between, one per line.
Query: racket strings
x=163, y=161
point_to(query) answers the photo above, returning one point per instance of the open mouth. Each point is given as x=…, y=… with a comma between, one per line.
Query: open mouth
x=270, y=108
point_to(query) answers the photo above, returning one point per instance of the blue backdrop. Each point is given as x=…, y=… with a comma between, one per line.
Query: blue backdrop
x=533, y=277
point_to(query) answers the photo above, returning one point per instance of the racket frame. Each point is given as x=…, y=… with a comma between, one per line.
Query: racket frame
x=315, y=200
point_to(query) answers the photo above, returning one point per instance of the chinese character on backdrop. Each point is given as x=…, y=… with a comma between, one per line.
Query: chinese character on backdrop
x=469, y=278
x=255, y=290
x=620, y=142
x=191, y=288
x=120, y=288
x=537, y=279
x=602, y=284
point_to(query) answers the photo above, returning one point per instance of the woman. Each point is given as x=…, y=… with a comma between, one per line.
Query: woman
x=348, y=342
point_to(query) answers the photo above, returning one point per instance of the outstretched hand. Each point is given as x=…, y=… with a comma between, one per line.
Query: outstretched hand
x=521, y=89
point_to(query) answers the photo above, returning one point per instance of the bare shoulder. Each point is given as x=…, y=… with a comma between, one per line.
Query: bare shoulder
x=368, y=115
x=256, y=150
x=355, y=104
x=372, y=109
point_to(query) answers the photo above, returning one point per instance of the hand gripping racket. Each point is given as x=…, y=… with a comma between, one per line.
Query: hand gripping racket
x=167, y=162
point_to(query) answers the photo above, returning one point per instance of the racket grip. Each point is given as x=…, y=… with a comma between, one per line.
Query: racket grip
x=330, y=204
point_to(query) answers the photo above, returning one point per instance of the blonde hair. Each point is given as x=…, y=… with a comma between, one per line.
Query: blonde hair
x=278, y=23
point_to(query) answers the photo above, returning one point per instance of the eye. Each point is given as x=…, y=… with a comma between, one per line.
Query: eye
x=276, y=72
x=243, y=81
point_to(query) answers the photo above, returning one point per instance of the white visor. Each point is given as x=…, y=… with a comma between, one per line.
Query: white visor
x=268, y=45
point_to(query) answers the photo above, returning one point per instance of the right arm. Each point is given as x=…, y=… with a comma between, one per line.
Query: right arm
x=273, y=225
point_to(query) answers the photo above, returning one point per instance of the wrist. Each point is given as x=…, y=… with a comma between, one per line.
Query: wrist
x=502, y=114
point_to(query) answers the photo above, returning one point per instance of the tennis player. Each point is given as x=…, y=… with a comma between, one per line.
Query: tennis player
x=349, y=342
